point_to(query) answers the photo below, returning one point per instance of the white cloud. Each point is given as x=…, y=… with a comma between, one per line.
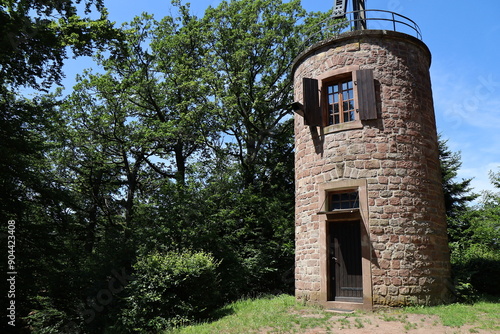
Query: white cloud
x=467, y=105
x=463, y=99
x=480, y=173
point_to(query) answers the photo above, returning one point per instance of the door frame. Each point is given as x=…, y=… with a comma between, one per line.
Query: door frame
x=362, y=215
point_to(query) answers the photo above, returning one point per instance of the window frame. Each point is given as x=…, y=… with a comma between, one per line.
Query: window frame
x=325, y=94
x=327, y=208
x=315, y=109
x=329, y=204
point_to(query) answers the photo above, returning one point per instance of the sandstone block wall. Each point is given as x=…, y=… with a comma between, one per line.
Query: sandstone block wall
x=396, y=154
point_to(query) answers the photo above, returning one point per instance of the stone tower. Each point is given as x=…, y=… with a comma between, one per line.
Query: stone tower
x=370, y=221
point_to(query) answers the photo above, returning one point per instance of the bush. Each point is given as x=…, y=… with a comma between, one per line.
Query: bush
x=476, y=271
x=170, y=290
x=486, y=274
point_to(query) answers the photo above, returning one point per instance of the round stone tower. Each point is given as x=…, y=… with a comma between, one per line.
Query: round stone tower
x=370, y=217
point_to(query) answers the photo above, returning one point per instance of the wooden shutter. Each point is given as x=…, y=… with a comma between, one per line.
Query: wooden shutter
x=312, y=111
x=367, y=104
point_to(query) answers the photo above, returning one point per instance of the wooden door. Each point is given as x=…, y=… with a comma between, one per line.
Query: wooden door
x=345, y=274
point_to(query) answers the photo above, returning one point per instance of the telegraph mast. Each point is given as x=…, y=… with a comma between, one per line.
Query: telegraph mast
x=358, y=10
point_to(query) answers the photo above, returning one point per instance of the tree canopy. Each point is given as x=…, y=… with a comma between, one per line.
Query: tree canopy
x=179, y=146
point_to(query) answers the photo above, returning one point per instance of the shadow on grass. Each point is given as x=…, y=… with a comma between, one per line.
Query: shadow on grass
x=219, y=313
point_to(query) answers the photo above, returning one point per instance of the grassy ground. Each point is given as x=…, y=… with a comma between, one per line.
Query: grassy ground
x=282, y=314
x=485, y=313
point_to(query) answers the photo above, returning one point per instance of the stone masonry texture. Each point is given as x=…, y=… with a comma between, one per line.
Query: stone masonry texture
x=397, y=154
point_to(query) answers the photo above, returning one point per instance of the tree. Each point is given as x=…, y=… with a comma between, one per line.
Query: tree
x=473, y=230
x=457, y=194
x=36, y=36
x=160, y=66
x=475, y=251
x=485, y=227
x=104, y=156
x=126, y=136
x=252, y=45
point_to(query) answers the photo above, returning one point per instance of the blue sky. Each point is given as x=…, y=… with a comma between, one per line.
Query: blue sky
x=465, y=44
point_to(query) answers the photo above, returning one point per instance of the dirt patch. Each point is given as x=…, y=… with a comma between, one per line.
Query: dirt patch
x=390, y=324
x=381, y=323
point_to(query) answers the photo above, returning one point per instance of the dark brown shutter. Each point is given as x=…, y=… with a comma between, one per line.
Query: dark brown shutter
x=367, y=104
x=312, y=112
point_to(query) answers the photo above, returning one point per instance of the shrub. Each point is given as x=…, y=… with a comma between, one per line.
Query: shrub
x=169, y=290
x=476, y=270
x=486, y=274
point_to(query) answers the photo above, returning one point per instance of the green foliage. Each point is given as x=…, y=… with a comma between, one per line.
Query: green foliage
x=44, y=318
x=464, y=290
x=159, y=73
x=475, y=254
x=169, y=290
x=256, y=243
x=474, y=232
x=251, y=47
x=457, y=194
x=34, y=42
x=476, y=269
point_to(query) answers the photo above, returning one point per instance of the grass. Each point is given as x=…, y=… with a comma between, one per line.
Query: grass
x=401, y=317
x=279, y=314
x=282, y=314
x=484, y=314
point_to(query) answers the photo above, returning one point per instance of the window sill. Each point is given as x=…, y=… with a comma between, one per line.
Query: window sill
x=343, y=127
x=339, y=211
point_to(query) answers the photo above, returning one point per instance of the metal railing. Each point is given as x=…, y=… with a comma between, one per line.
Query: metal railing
x=377, y=19
x=370, y=19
